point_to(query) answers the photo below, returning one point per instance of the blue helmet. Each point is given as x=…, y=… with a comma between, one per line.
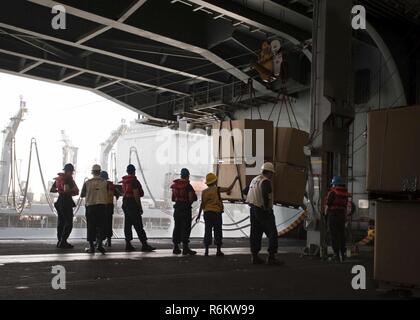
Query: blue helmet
x=68, y=168
x=131, y=169
x=337, y=181
x=104, y=175
x=185, y=172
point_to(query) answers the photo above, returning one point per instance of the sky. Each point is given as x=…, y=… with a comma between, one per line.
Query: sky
x=86, y=118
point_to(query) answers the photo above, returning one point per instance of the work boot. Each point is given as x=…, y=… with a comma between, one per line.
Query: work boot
x=91, y=248
x=206, y=253
x=63, y=244
x=101, y=249
x=256, y=259
x=219, y=252
x=147, y=248
x=68, y=245
x=129, y=247
x=58, y=244
x=272, y=260
x=176, y=250
x=188, y=251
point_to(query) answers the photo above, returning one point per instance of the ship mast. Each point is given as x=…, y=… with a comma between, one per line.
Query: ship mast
x=69, y=150
x=107, y=146
x=9, y=134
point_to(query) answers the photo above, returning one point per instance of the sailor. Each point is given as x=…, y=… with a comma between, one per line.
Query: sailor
x=96, y=194
x=336, y=209
x=66, y=188
x=183, y=195
x=260, y=199
x=133, y=210
x=212, y=205
x=109, y=211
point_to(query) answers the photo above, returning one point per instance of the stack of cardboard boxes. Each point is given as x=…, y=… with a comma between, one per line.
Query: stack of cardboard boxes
x=282, y=146
x=393, y=173
x=290, y=163
x=397, y=243
x=251, y=145
x=394, y=150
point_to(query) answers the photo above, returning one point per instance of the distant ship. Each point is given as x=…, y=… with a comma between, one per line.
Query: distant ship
x=142, y=145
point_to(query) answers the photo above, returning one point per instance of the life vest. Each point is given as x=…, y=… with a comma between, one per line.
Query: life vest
x=62, y=180
x=127, y=186
x=340, y=200
x=255, y=195
x=179, y=190
x=96, y=191
x=211, y=200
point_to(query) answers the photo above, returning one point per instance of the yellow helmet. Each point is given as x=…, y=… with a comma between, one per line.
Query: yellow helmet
x=211, y=178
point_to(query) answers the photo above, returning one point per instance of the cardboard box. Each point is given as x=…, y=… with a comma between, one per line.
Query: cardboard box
x=243, y=144
x=397, y=244
x=288, y=146
x=393, y=149
x=289, y=184
x=227, y=173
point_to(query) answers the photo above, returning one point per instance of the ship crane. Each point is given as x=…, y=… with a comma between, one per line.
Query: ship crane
x=9, y=134
x=107, y=146
x=69, y=150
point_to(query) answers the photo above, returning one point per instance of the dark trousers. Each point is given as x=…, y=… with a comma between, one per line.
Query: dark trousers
x=65, y=219
x=109, y=214
x=95, y=218
x=263, y=222
x=336, y=224
x=213, y=223
x=132, y=218
x=182, y=226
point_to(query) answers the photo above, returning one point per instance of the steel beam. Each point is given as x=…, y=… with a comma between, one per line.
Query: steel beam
x=92, y=34
x=98, y=92
x=228, y=9
x=124, y=17
x=160, y=38
x=77, y=68
x=71, y=76
x=107, y=53
x=30, y=67
x=110, y=83
x=49, y=80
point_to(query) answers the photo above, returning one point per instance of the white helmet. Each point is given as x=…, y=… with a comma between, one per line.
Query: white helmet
x=96, y=167
x=268, y=166
x=275, y=46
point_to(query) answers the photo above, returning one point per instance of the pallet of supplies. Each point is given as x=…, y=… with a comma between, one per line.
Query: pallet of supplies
x=393, y=150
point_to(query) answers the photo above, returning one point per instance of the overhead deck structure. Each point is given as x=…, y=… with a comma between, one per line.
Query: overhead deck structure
x=142, y=54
